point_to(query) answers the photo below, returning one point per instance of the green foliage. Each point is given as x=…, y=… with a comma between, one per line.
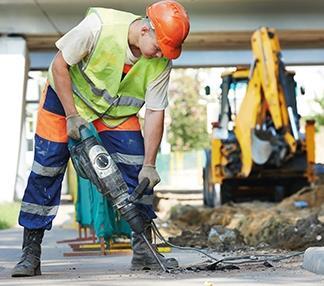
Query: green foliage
x=187, y=130
x=9, y=214
x=320, y=101
x=320, y=117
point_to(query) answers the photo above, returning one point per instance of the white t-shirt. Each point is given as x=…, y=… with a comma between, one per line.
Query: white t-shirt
x=80, y=41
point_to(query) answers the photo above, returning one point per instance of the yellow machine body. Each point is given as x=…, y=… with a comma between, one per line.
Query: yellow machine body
x=263, y=140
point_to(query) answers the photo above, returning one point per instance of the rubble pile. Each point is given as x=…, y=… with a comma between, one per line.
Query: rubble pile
x=294, y=224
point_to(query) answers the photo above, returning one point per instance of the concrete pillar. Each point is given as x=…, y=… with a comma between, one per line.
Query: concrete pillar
x=29, y=125
x=14, y=66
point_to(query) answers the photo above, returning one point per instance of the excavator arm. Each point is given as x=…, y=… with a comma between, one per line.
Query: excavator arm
x=264, y=101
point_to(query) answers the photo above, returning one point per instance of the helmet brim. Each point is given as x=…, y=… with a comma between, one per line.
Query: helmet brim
x=169, y=52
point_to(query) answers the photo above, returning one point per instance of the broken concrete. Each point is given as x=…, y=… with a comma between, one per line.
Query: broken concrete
x=222, y=239
x=280, y=225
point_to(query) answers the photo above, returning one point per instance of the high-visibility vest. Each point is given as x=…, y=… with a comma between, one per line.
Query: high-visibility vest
x=98, y=88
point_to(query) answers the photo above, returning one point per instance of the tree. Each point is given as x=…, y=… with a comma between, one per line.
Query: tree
x=320, y=117
x=187, y=130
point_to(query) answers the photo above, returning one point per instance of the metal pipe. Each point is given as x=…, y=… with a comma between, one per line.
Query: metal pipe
x=153, y=252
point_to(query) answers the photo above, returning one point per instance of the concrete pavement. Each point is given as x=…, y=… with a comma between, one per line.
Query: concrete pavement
x=114, y=270
x=314, y=260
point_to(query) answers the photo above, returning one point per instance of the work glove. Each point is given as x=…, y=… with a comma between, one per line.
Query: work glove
x=149, y=171
x=73, y=123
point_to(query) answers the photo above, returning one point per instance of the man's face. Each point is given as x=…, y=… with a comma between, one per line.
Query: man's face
x=148, y=44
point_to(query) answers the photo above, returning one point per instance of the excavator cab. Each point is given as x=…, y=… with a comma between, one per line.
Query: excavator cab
x=233, y=89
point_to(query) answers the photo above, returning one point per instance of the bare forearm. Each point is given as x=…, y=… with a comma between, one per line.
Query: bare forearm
x=63, y=84
x=153, y=131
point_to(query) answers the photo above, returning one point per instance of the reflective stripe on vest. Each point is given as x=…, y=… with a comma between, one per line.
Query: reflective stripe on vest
x=121, y=101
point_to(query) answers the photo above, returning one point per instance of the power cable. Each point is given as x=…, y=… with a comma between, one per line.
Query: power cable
x=159, y=235
x=229, y=260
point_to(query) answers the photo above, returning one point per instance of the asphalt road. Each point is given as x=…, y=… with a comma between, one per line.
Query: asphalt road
x=114, y=270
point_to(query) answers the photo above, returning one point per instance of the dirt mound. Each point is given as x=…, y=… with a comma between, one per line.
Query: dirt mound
x=305, y=233
x=295, y=223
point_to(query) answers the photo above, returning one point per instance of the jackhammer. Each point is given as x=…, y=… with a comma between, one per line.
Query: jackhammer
x=92, y=161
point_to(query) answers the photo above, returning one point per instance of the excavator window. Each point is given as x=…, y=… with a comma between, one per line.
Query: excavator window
x=235, y=96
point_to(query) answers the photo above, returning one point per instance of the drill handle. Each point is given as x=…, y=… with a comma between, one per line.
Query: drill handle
x=139, y=190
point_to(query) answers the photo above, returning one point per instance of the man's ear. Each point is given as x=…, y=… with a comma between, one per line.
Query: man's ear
x=145, y=29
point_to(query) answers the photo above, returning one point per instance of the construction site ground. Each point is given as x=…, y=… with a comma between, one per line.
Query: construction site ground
x=115, y=269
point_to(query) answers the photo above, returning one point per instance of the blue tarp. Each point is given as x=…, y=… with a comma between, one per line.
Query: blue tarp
x=94, y=210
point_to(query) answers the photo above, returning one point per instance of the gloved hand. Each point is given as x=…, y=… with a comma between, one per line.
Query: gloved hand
x=149, y=171
x=73, y=123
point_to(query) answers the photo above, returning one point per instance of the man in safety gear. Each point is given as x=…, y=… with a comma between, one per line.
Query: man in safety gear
x=107, y=67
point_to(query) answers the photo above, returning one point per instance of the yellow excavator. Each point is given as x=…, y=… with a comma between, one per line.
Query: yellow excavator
x=257, y=148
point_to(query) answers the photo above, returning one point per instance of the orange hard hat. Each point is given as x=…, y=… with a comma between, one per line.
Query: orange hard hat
x=171, y=24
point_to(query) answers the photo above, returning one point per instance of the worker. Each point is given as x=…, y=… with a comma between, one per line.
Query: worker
x=106, y=68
